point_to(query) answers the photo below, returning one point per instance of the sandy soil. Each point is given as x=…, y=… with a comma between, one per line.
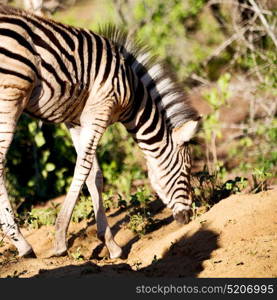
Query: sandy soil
x=236, y=238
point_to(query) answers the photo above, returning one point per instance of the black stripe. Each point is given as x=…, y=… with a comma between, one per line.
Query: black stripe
x=40, y=42
x=14, y=73
x=117, y=63
x=145, y=116
x=66, y=104
x=117, y=94
x=81, y=57
x=167, y=144
x=66, y=37
x=156, y=138
x=170, y=161
x=167, y=156
x=109, y=58
x=175, y=177
x=89, y=54
x=124, y=77
x=136, y=103
x=30, y=107
x=179, y=196
x=69, y=108
x=21, y=40
x=20, y=58
x=51, y=70
x=169, y=170
x=183, y=182
x=172, y=168
x=98, y=54
x=61, y=83
x=154, y=122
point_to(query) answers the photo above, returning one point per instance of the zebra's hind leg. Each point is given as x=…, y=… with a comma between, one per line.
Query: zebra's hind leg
x=11, y=102
x=95, y=186
x=8, y=225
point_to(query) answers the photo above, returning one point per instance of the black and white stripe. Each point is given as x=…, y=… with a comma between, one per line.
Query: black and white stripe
x=58, y=74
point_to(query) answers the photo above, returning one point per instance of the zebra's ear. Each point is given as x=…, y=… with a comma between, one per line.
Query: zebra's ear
x=185, y=132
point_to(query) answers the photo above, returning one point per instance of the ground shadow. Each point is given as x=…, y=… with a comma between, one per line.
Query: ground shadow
x=127, y=247
x=184, y=259
x=154, y=206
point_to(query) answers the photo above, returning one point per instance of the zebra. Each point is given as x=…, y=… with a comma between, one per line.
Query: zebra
x=87, y=80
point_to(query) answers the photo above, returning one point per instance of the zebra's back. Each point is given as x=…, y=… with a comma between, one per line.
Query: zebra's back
x=63, y=64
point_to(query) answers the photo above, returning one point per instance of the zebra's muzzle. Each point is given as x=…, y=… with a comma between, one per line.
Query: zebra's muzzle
x=182, y=213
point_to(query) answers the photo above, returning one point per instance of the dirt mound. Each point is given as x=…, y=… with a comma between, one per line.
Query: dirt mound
x=236, y=238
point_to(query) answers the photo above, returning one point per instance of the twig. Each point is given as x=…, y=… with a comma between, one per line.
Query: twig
x=242, y=5
x=226, y=43
x=264, y=21
x=118, y=9
x=199, y=78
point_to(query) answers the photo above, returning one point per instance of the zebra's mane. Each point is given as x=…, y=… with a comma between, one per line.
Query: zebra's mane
x=159, y=82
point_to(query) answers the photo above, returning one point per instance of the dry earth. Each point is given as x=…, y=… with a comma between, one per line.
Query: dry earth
x=236, y=238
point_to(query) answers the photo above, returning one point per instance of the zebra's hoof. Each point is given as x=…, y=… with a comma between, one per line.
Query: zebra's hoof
x=29, y=254
x=116, y=254
x=58, y=253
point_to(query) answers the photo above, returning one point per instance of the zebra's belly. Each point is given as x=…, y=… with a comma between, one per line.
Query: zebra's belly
x=51, y=105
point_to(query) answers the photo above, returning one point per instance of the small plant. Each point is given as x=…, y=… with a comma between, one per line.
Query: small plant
x=108, y=200
x=77, y=255
x=38, y=217
x=83, y=209
x=141, y=220
x=216, y=98
x=260, y=180
x=198, y=209
x=210, y=188
x=121, y=203
x=155, y=259
x=139, y=223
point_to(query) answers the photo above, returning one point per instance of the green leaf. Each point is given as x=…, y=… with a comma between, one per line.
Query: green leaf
x=50, y=167
x=32, y=127
x=39, y=139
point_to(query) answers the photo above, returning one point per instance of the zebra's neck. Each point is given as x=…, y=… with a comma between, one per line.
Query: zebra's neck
x=147, y=124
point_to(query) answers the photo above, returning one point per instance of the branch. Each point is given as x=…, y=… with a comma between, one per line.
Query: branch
x=264, y=21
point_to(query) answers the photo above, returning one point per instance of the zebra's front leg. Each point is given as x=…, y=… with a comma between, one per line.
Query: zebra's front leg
x=94, y=122
x=89, y=137
x=95, y=186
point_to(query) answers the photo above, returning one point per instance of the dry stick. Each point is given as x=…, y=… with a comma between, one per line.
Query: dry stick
x=208, y=156
x=213, y=145
x=119, y=11
x=263, y=11
x=264, y=21
x=225, y=44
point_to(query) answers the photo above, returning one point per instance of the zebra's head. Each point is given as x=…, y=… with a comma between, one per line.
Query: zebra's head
x=170, y=174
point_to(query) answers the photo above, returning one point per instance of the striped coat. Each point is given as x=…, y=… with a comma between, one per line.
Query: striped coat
x=88, y=80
